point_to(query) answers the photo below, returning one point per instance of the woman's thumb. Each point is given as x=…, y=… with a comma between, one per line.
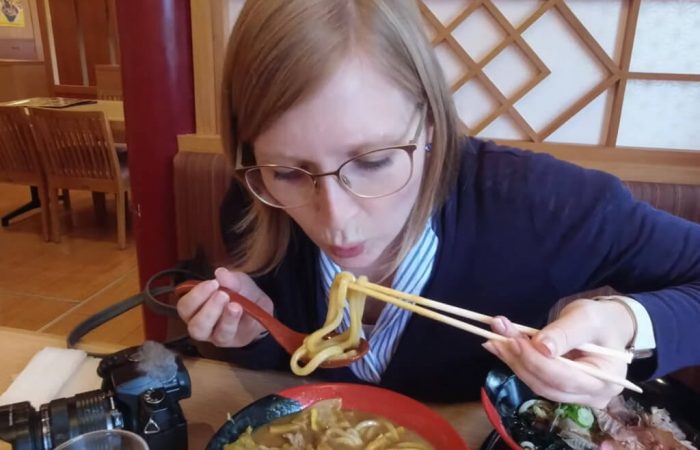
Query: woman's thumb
x=563, y=335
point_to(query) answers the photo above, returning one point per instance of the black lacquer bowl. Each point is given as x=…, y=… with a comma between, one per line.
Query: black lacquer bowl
x=503, y=393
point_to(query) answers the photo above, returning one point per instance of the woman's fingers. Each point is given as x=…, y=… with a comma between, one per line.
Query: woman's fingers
x=550, y=378
x=521, y=354
x=505, y=327
x=240, y=283
x=212, y=316
x=244, y=285
x=201, y=325
x=582, y=321
x=586, y=321
x=190, y=303
x=576, y=326
x=226, y=329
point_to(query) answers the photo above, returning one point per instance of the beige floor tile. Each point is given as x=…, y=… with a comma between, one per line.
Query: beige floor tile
x=86, y=261
x=126, y=329
x=30, y=312
x=54, y=286
x=123, y=288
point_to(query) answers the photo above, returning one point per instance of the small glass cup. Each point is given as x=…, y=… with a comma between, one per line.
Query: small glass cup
x=105, y=440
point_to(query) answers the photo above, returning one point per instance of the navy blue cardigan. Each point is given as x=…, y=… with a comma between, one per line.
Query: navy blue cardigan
x=519, y=231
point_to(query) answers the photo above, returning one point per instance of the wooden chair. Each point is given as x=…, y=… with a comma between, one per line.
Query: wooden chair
x=108, y=80
x=77, y=151
x=19, y=160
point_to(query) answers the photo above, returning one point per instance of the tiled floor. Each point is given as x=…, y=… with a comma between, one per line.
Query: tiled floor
x=45, y=286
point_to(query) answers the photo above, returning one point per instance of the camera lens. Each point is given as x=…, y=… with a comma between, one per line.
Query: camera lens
x=57, y=421
x=20, y=425
x=67, y=418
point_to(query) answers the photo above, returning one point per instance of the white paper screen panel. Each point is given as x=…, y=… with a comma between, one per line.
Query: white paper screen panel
x=661, y=114
x=668, y=37
x=581, y=46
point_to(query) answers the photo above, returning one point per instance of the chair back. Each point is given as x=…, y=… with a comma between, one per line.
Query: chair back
x=19, y=162
x=108, y=79
x=77, y=149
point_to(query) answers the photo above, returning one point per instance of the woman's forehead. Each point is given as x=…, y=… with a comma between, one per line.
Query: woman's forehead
x=356, y=106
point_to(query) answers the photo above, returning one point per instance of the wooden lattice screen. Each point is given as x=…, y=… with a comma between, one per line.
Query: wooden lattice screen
x=212, y=20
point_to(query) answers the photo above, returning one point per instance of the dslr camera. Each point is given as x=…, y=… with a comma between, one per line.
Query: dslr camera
x=141, y=389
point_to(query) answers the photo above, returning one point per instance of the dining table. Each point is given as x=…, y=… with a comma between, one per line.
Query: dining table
x=218, y=388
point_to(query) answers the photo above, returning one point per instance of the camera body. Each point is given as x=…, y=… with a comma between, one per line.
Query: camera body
x=136, y=394
x=149, y=403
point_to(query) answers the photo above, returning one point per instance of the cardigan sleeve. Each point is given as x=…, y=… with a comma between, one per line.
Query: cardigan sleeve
x=595, y=233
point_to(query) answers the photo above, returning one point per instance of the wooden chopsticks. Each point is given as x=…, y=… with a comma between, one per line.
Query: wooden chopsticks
x=401, y=300
x=622, y=355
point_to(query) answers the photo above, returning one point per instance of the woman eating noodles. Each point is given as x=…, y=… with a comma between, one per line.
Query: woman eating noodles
x=349, y=157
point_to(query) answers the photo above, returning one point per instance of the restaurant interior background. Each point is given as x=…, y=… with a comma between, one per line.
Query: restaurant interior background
x=608, y=84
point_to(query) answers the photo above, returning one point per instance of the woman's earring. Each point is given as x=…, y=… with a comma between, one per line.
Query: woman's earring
x=428, y=147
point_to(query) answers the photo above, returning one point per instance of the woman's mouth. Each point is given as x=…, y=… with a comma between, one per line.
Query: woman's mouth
x=347, y=251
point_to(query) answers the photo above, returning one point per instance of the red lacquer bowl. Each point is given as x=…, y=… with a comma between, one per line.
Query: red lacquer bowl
x=398, y=408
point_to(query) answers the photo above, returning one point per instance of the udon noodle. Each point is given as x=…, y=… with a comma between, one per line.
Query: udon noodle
x=318, y=347
x=326, y=426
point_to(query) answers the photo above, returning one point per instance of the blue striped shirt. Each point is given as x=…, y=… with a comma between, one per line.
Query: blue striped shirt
x=412, y=275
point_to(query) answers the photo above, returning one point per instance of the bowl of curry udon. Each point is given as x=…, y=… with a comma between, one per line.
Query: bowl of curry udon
x=336, y=416
x=666, y=416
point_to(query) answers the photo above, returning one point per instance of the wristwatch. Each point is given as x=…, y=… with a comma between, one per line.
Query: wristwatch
x=643, y=344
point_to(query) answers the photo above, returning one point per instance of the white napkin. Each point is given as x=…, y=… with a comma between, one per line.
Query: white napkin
x=53, y=373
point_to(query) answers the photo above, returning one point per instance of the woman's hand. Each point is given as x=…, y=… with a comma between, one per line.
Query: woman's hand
x=605, y=323
x=211, y=315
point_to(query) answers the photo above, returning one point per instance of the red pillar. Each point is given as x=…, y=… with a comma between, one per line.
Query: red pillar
x=156, y=62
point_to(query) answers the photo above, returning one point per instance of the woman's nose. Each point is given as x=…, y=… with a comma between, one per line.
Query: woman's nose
x=334, y=203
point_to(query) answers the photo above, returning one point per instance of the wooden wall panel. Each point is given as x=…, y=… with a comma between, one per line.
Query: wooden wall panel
x=113, y=30
x=64, y=21
x=203, y=19
x=629, y=164
x=79, y=34
x=22, y=79
x=95, y=26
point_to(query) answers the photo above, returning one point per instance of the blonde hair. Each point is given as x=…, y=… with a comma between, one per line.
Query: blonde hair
x=281, y=50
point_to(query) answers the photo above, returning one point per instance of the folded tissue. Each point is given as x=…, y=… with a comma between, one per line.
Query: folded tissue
x=53, y=373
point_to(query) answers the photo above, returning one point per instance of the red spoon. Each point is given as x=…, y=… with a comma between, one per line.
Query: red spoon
x=287, y=338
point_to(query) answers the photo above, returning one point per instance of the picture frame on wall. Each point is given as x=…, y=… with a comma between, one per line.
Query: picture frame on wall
x=11, y=14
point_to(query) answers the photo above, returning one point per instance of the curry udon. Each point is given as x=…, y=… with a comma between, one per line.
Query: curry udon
x=326, y=426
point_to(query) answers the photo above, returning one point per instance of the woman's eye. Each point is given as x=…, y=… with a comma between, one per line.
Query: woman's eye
x=373, y=163
x=287, y=175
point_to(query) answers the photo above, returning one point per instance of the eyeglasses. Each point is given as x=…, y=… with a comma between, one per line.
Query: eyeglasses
x=376, y=173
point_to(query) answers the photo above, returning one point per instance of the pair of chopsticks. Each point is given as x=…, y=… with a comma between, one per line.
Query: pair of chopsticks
x=400, y=299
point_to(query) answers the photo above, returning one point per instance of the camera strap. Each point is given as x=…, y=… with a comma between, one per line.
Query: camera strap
x=162, y=283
